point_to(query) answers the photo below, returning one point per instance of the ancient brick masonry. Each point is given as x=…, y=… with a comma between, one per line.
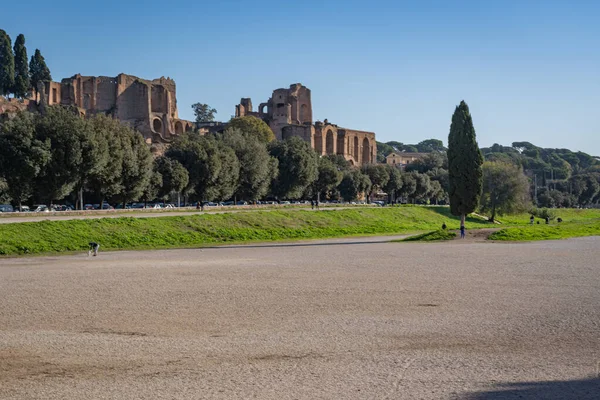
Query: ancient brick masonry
x=289, y=113
x=148, y=106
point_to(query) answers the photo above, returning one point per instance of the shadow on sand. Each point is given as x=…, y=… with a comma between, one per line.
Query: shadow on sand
x=582, y=389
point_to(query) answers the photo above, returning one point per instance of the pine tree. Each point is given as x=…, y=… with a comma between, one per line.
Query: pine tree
x=38, y=70
x=7, y=65
x=464, y=164
x=21, y=86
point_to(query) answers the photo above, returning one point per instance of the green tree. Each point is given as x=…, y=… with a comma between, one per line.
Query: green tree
x=256, y=165
x=7, y=65
x=66, y=132
x=22, y=82
x=174, y=177
x=38, y=70
x=464, y=164
x=253, y=126
x=422, y=186
x=431, y=145
x=427, y=163
x=22, y=156
x=136, y=168
x=203, y=113
x=105, y=180
x=200, y=156
x=298, y=167
x=394, y=183
x=505, y=189
x=339, y=161
x=228, y=177
x=153, y=186
x=409, y=185
x=378, y=174
x=353, y=184
x=329, y=177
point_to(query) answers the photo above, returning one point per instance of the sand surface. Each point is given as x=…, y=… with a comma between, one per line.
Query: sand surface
x=337, y=319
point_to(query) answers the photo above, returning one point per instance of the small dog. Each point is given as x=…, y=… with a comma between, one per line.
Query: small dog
x=93, y=248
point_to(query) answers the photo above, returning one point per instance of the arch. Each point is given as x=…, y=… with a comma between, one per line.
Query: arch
x=188, y=127
x=157, y=125
x=355, y=150
x=340, y=144
x=366, y=151
x=178, y=128
x=319, y=143
x=261, y=108
x=329, y=142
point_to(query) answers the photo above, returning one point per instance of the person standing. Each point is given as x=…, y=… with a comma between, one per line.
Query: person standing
x=531, y=219
x=462, y=231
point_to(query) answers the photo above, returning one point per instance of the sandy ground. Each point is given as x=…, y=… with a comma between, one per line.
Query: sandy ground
x=338, y=319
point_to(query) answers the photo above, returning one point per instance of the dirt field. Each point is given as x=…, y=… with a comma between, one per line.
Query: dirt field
x=337, y=319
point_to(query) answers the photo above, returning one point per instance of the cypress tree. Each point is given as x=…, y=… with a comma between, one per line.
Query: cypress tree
x=21, y=68
x=465, y=173
x=38, y=70
x=7, y=64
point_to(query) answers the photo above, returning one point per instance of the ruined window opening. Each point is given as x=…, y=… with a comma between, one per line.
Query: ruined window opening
x=54, y=96
x=279, y=105
x=157, y=125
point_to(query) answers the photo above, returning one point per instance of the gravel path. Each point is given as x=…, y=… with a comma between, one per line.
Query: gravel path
x=337, y=319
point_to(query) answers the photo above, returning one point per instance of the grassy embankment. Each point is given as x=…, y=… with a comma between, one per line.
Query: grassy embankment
x=555, y=230
x=208, y=229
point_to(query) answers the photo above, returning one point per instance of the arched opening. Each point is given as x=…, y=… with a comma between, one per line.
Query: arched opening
x=366, y=152
x=178, y=128
x=188, y=127
x=304, y=114
x=319, y=143
x=157, y=126
x=329, y=142
x=340, y=144
x=355, y=151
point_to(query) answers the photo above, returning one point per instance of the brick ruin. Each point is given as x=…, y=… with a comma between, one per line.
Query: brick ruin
x=147, y=106
x=289, y=113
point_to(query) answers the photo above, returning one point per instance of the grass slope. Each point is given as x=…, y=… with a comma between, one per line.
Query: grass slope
x=197, y=230
x=547, y=232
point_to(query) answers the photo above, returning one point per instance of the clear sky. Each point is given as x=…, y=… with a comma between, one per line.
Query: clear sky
x=529, y=70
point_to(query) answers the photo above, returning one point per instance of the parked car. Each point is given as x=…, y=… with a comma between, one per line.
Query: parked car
x=6, y=208
x=41, y=208
x=241, y=203
x=228, y=203
x=211, y=204
x=22, y=209
x=59, y=207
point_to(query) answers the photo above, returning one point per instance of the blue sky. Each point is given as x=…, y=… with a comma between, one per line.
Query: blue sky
x=529, y=70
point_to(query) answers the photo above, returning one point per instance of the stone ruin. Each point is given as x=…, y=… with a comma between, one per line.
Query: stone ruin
x=150, y=107
x=289, y=113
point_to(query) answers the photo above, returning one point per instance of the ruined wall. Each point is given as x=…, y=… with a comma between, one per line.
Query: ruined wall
x=288, y=112
x=304, y=132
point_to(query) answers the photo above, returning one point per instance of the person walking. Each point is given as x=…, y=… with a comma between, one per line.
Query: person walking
x=312, y=204
x=531, y=219
x=462, y=231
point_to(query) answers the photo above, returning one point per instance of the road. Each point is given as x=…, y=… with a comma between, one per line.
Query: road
x=337, y=319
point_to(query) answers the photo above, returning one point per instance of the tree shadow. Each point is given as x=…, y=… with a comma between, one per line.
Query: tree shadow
x=445, y=211
x=259, y=245
x=581, y=389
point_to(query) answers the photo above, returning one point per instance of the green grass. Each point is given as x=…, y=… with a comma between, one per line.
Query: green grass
x=430, y=236
x=555, y=230
x=200, y=230
x=567, y=214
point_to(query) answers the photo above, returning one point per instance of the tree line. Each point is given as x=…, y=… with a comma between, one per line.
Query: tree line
x=18, y=76
x=58, y=155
